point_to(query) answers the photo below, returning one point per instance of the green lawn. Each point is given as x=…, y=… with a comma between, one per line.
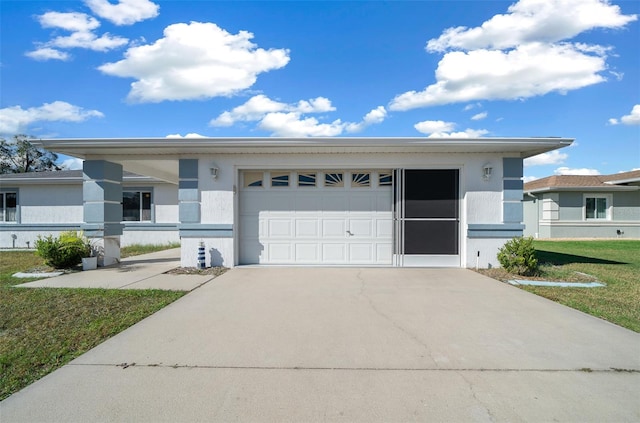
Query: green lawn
x=614, y=262
x=43, y=329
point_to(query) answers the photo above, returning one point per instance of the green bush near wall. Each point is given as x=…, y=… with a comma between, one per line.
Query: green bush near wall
x=519, y=256
x=64, y=251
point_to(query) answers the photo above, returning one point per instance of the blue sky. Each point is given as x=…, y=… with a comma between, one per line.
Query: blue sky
x=136, y=68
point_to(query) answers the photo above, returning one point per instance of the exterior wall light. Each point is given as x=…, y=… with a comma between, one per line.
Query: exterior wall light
x=487, y=170
x=214, y=171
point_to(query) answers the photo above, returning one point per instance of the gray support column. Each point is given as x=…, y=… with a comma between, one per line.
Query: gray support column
x=102, y=201
x=188, y=195
x=512, y=190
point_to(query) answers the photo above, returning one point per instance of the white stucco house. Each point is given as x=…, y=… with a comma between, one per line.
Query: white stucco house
x=583, y=206
x=274, y=201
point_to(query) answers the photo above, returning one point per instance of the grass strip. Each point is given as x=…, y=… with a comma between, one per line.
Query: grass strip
x=44, y=328
x=614, y=262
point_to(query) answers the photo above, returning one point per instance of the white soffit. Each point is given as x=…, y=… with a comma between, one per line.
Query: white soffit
x=146, y=147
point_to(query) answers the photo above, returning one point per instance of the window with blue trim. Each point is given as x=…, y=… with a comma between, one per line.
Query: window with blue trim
x=136, y=206
x=9, y=206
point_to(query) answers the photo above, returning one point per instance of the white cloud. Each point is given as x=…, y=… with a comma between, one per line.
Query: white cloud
x=632, y=118
x=467, y=133
x=194, y=61
x=189, y=135
x=552, y=157
x=375, y=116
x=526, y=71
x=81, y=27
x=569, y=171
x=471, y=106
x=287, y=120
x=534, y=20
x=71, y=21
x=442, y=129
x=293, y=125
x=48, y=53
x=125, y=12
x=431, y=126
x=258, y=106
x=15, y=119
x=529, y=178
x=520, y=54
x=480, y=116
x=72, y=163
x=88, y=40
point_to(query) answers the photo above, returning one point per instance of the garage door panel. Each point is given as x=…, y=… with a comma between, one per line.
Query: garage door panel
x=384, y=228
x=383, y=251
x=308, y=203
x=361, y=202
x=307, y=228
x=280, y=252
x=308, y=225
x=334, y=253
x=383, y=202
x=361, y=227
x=333, y=228
x=333, y=202
x=361, y=253
x=307, y=253
x=279, y=228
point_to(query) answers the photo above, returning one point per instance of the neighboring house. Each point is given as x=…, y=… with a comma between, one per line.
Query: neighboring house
x=308, y=201
x=572, y=206
x=47, y=203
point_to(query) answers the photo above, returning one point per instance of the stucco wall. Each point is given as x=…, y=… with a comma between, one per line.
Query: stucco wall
x=165, y=198
x=570, y=205
x=571, y=223
x=531, y=217
x=481, y=200
x=626, y=206
x=49, y=209
x=50, y=203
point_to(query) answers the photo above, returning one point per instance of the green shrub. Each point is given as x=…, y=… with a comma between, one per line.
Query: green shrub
x=519, y=256
x=65, y=251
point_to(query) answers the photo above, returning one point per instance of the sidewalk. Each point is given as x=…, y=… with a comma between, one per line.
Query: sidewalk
x=147, y=271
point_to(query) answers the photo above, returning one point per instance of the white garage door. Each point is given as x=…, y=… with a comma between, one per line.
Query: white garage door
x=316, y=217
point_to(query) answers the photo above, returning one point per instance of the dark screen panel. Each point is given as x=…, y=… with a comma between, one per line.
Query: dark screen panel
x=431, y=193
x=430, y=237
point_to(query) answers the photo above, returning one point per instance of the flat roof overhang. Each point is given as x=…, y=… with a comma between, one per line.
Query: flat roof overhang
x=157, y=157
x=145, y=147
x=600, y=188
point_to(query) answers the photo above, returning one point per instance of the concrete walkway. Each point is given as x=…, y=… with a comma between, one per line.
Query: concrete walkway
x=327, y=344
x=145, y=271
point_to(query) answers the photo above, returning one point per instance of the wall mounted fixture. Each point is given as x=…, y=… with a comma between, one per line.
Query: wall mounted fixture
x=214, y=171
x=487, y=170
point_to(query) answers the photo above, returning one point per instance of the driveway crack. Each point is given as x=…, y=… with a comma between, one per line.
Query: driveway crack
x=490, y=415
x=389, y=319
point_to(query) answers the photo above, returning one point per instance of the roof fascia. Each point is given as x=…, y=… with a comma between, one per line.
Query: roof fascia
x=612, y=188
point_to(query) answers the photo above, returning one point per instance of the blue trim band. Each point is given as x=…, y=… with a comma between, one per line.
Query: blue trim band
x=492, y=230
x=133, y=226
x=206, y=230
x=22, y=227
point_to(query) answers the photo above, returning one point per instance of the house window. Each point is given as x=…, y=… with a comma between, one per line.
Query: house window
x=360, y=180
x=136, y=206
x=279, y=179
x=597, y=207
x=306, y=179
x=9, y=206
x=333, y=180
x=253, y=179
x=385, y=179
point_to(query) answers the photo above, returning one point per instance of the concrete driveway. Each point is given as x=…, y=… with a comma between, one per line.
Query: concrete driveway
x=345, y=344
